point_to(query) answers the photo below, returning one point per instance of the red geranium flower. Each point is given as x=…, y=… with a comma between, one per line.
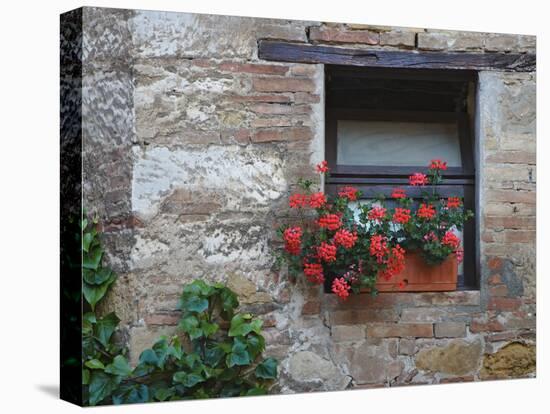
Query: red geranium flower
x=341, y=288
x=426, y=211
x=378, y=247
x=314, y=272
x=293, y=240
x=438, y=165
x=327, y=252
x=395, y=263
x=345, y=238
x=398, y=193
x=298, y=200
x=453, y=202
x=322, y=167
x=348, y=192
x=450, y=239
x=317, y=200
x=401, y=215
x=418, y=179
x=330, y=221
x=377, y=213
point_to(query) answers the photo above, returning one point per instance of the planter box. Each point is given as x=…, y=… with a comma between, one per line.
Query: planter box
x=418, y=276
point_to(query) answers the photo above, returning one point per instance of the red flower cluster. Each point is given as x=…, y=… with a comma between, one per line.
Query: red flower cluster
x=341, y=288
x=348, y=192
x=418, y=179
x=450, y=239
x=401, y=215
x=453, y=202
x=327, y=252
x=298, y=200
x=426, y=211
x=377, y=213
x=322, y=167
x=345, y=238
x=330, y=221
x=398, y=193
x=314, y=272
x=317, y=200
x=430, y=237
x=293, y=240
x=438, y=165
x=378, y=247
x=395, y=263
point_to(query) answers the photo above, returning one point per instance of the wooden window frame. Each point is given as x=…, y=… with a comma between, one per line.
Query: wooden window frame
x=457, y=180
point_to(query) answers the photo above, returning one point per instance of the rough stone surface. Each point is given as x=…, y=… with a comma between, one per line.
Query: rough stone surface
x=511, y=361
x=458, y=357
x=191, y=147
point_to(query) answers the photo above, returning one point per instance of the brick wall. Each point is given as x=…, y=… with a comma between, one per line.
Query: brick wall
x=192, y=145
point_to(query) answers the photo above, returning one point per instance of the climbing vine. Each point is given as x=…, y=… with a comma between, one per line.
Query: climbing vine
x=218, y=352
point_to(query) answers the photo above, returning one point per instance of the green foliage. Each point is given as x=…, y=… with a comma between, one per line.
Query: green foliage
x=217, y=354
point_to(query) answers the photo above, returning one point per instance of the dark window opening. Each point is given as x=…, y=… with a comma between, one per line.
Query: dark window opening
x=384, y=124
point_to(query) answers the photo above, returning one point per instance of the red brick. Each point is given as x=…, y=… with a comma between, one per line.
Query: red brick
x=495, y=263
x=511, y=196
x=494, y=279
x=339, y=35
x=303, y=70
x=282, y=134
x=347, y=333
x=270, y=98
x=278, y=109
x=304, y=97
x=388, y=330
x=504, y=304
x=512, y=157
x=498, y=291
x=510, y=222
x=283, y=85
x=311, y=308
x=481, y=325
x=272, y=122
x=355, y=317
x=162, y=319
x=520, y=236
x=253, y=68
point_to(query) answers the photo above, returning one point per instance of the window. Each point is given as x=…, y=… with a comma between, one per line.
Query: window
x=384, y=124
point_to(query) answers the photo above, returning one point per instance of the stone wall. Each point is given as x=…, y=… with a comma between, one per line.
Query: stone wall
x=191, y=147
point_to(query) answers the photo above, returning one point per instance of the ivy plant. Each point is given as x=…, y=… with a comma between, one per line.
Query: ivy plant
x=217, y=354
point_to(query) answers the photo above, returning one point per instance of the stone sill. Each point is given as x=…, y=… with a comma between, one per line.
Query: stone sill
x=414, y=299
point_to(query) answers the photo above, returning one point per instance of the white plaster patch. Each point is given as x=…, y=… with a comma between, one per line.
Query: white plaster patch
x=240, y=174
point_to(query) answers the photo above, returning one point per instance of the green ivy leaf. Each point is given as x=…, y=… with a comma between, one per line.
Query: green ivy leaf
x=93, y=258
x=256, y=344
x=94, y=293
x=213, y=355
x=162, y=394
x=86, y=241
x=101, y=386
x=97, y=277
x=94, y=364
x=239, y=326
x=85, y=377
x=148, y=357
x=209, y=328
x=256, y=391
x=188, y=323
x=239, y=354
x=119, y=366
x=267, y=369
x=105, y=327
x=196, y=304
x=188, y=380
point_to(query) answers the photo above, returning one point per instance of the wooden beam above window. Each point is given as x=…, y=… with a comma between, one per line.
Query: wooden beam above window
x=307, y=53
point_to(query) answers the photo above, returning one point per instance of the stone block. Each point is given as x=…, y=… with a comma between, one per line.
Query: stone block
x=348, y=333
x=398, y=38
x=388, y=330
x=450, y=330
x=458, y=357
x=511, y=361
x=340, y=35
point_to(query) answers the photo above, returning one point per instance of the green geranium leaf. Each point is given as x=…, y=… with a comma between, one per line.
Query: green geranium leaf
x=119, y=366
x=267, y=369
x=105, y=327
x=94, y=364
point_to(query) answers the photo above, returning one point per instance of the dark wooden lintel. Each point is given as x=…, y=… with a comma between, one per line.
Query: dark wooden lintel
x=307, y=53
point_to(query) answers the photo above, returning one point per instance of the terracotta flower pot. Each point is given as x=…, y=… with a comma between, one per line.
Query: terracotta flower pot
x=418, y=276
